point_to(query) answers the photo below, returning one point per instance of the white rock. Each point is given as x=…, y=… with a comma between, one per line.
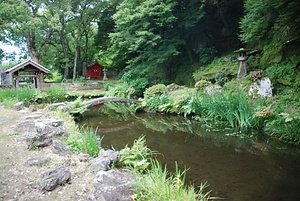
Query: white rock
x=261, y=87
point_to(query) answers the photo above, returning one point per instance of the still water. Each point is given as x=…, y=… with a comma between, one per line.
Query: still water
x=236, y=169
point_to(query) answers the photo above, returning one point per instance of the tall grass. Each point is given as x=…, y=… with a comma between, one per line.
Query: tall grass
x=56, y=93
x=86, y=141
x=159, y=184
x=19, y=94
x=233, y=108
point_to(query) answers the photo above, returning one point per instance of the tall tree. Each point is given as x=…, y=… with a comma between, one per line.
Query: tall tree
x=143, y=38
x=27, y=21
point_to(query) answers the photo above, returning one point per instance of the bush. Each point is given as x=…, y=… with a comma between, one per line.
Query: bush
x=121, y=89
x=162, y=103
x=137, y=157
x=202, y=84
x=155, y=90
x=221, y=78
x=137, y=79
x=56, y=93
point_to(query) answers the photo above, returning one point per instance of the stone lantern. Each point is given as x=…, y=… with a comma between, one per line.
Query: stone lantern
x=242, y=60
x=105, y=74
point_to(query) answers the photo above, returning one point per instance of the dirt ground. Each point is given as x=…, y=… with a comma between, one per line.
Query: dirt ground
x=20, y=182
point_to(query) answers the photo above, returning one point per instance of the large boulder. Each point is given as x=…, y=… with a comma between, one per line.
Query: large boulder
x=104, y=161
x=53, y=178
x=113, y=185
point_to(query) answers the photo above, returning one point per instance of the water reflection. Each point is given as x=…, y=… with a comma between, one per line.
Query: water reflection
x=236, y=169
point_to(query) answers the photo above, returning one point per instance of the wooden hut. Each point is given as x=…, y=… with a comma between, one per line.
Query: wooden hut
x=28, y=71
x=94, y=70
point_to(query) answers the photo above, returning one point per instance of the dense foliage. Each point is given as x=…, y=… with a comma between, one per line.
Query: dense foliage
x=272, y=26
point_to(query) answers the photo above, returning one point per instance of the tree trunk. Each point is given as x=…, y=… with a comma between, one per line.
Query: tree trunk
x=65, y=51
x=75, y=61
x=30, y=42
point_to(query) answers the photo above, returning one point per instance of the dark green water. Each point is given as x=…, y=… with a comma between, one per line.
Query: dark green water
x=235, y=169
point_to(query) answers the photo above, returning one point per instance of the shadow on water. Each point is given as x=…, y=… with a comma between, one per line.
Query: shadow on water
x=236, y=169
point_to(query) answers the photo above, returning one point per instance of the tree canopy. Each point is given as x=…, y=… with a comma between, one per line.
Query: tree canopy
x=149, y=41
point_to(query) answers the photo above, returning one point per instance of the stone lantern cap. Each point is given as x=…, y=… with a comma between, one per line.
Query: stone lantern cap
x=242, y=54
x=241, y=50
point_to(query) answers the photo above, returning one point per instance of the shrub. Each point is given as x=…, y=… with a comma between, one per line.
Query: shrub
x=120, y=90
x=78, y=106
x=155, y=90
x=56, y=93
x=173, y=87
x=137, y=79
x=221, y=78
x=137, y=157
x=202, y=83
x=162, y=103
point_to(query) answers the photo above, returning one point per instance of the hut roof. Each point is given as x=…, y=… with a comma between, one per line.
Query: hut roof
x=26, y=63
x=94, y=64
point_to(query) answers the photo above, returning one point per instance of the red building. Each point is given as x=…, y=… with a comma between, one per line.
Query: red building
x=94, y=70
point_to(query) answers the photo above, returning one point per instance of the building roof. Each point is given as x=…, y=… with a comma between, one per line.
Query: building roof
x=94, y=64
x=26, y=63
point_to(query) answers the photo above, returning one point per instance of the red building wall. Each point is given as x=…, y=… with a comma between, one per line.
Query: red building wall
x=94, y=70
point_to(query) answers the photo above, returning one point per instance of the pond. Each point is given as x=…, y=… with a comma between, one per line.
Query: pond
x=236, y=169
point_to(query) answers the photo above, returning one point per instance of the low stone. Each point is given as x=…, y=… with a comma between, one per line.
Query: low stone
x=32, y=108
x=104, y=161
x=40, y=161
x=53, y=178
x=24, y=126
x=58, y=106
x=58, y=147
x=34, y=140
x=83, y=157
x=34, y=117
x=212, y=89
x=113, y=185
x=18, y=106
